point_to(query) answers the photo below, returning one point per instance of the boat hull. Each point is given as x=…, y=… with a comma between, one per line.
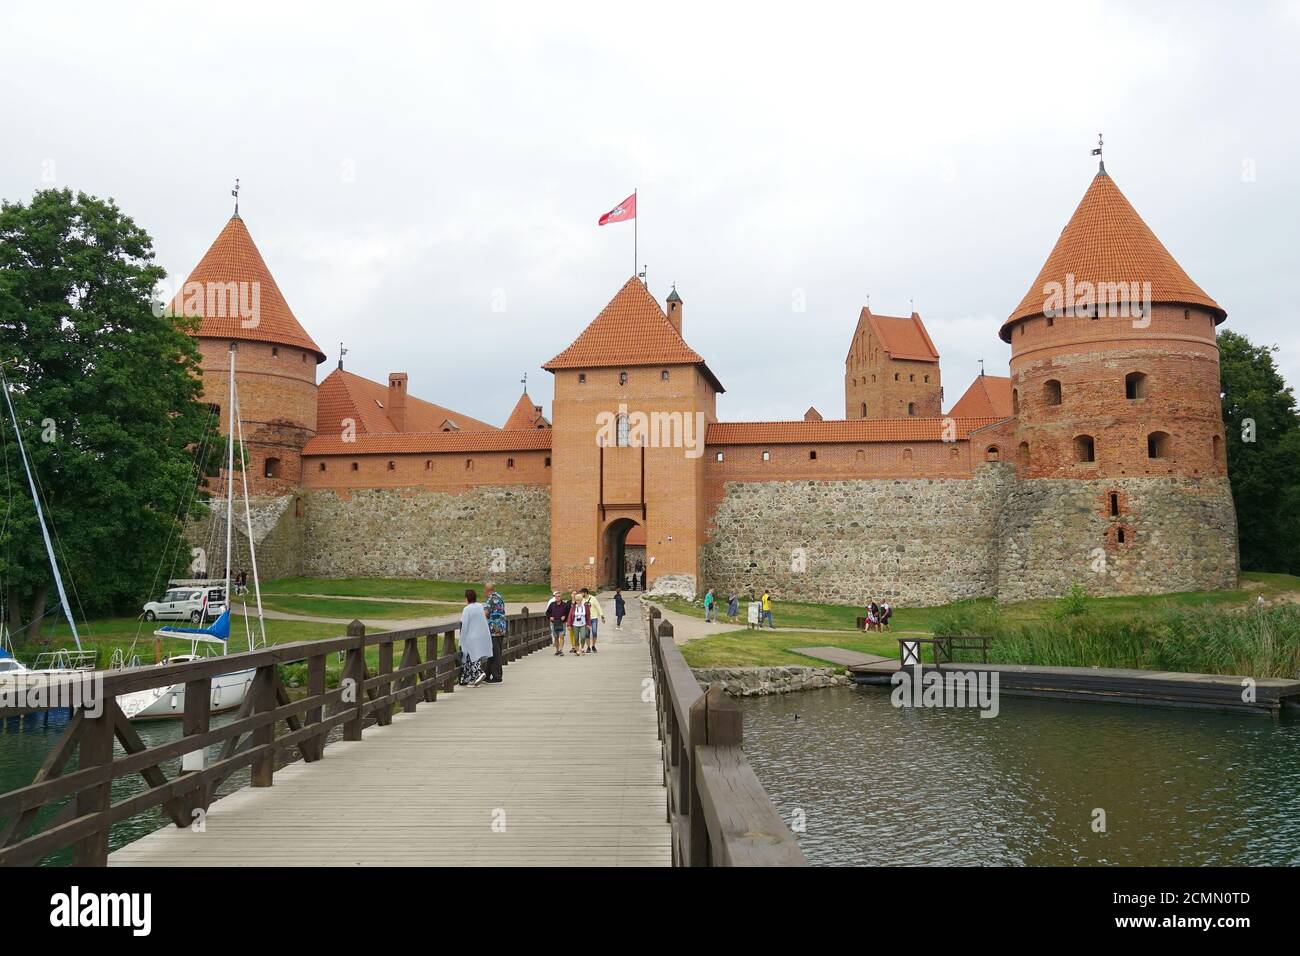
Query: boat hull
x=166, y=703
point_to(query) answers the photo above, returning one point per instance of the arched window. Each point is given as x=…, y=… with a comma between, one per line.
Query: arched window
x=1119, y=535
x=1022, y=454
x=991, y=453
x=1159, y=445
x=663, y=376
x=622, y=378
x=911, y=408
x=864, y=409
x=1135, y=385
x=322, y=466
x=1085, y=449
x=622, y=439
x=767, y=456
x=1112, y=503
x=1051, y=392
x=272, y=468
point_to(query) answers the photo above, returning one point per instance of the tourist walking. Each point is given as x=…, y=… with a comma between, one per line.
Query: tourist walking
x=475, y=641
x=872, y=612
x=580, y=622
x=573, y=635
x=766, y=610
x=886, y=612
x=620, y=609
x=709, y=603
x=733, y=607
x=494, y=605
x=597, y=616
x=640, y=575
x=557, y=612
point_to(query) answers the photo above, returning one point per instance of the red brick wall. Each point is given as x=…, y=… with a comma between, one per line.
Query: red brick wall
x=1090, y=358
x=435, y=472
x=277, y=401
x=888, y=385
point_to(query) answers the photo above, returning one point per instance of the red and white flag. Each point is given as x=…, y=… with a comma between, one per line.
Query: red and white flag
x=621, y=213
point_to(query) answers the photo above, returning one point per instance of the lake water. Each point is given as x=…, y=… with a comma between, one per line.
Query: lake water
x=884, y=786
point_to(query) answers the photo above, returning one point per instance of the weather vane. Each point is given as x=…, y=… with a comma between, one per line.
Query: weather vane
x=342, y=352
x=235, y=192
x=981, y=368
x=1101, y=163
x=524, y=381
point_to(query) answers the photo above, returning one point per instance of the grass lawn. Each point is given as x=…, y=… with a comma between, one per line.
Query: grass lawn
x=355, y=607
x=794, y=614
x=772, y=648
x=437, y=591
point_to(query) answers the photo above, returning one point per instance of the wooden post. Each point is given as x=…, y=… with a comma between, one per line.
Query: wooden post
x=725, y=725
x=195, y=720
x=95, y=750
x=699, y=831
x=354, y=669
x=263, y=691
x=431, y=654
x=314, y=747
x=448, y=649
x=410, y=658
x=385, y=714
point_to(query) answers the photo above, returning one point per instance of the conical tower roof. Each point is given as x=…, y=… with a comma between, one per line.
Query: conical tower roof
x=234, y=258
x=1106, y=241
x=524, y=415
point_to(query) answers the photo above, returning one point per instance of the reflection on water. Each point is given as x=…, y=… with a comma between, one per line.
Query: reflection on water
x=24, y=743
x=886, y=786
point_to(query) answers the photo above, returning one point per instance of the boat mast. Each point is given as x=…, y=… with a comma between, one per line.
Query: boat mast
x=252, y=549
x=40, y=515
x=230, y=476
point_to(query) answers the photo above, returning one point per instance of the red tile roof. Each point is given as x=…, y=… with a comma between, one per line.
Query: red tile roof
x=233, y=257
x=842, y=431
x=346, y=395
x=630, y=331
x=525, y=415
x=989, y=396
x=903, y=338
x=530, y=439
x=812, y=415
x=1106, y=241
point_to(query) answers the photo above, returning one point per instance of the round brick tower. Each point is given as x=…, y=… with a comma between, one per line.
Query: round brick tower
x=1119, y=442
x=239, y=305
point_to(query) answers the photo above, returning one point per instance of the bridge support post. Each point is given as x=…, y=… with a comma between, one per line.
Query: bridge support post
x=354, y=669
x=314, y=747
x=263, y=691
x=196, y=720
x=449, y=650
x=95, y=750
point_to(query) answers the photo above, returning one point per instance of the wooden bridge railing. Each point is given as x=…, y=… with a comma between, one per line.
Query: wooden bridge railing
x=719, y=811
x=270, y=730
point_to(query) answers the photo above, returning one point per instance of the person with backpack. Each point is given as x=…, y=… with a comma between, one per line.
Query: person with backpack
x=709, y=603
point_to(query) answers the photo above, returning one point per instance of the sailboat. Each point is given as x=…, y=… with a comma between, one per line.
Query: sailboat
x=49, y=664
x=228, y=690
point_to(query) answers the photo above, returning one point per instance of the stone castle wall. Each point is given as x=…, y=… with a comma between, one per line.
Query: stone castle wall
x=277, y=534
x=497, y=532
x=922, y=542
x=917, y=541
x=1179, y=534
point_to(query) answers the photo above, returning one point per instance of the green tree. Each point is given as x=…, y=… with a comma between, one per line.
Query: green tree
x=106, y=393
x=1263, y=433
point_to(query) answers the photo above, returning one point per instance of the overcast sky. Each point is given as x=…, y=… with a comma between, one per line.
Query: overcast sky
x=404, y=172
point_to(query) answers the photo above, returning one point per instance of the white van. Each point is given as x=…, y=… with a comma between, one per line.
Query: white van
x=186, y=604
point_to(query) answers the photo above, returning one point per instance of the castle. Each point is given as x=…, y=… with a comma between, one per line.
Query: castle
x=1099, y=460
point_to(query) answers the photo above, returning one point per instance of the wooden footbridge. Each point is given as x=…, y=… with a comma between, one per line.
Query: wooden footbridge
x=616, y=758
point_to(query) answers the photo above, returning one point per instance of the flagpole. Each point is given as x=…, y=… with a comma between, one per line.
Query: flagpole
x=635, y=217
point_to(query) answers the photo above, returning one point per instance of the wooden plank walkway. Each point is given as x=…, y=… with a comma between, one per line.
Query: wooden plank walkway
x=564, y=754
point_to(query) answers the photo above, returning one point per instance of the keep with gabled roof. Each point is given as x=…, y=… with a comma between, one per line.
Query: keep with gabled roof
x=234, y=258
x=632, y=330
x=902, y=337
x=1106, y=241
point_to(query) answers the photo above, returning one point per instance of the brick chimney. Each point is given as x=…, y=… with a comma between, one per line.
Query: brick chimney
x=674, y=303
x=396, y=404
